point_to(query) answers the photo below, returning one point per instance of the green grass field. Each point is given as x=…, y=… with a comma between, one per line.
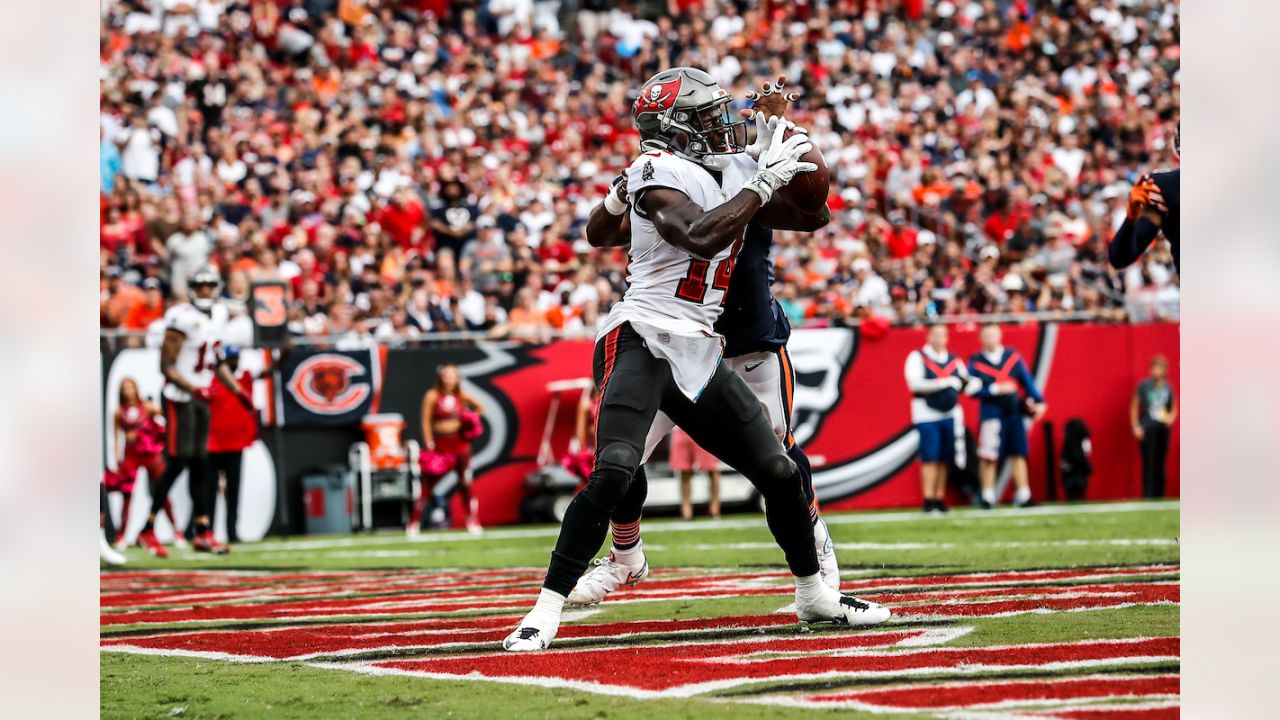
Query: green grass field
x=1037, y=613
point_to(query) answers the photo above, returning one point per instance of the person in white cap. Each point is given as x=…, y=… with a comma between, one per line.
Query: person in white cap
x=871, y=289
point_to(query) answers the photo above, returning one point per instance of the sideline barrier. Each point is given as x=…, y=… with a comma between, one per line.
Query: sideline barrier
x=852, y=411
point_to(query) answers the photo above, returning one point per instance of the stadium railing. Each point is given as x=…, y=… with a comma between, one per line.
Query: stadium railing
x=113, y=339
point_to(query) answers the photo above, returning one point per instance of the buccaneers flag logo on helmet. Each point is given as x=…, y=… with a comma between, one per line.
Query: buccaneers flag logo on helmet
x=659, y=96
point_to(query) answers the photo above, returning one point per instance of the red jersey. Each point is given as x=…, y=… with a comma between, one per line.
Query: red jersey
x=232, y=426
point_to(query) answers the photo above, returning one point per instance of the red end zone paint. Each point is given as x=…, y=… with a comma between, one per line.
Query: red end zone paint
x=293, y=596
x=298, y=642
x=671, y=666
x=1160, y=713
x=974, y=694
x=678, y=657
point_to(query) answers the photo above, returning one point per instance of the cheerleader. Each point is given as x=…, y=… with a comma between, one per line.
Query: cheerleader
x=139, y=438
x=450, y=421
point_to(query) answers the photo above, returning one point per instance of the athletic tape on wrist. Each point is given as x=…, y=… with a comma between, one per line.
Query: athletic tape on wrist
x=613, y=205
x=760, y=188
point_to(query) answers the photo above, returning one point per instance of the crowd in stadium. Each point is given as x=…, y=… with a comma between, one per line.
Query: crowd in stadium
x=427, y=166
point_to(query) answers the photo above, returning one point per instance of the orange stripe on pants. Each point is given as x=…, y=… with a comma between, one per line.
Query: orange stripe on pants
x=610, y=355
x=788, y=392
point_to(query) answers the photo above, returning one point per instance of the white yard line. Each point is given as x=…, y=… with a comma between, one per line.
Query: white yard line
x=675, y=526
x=1118, y=542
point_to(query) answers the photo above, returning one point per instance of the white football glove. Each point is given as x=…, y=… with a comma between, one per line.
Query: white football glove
x=956, y=383
x=780, y=161
x=764, y=133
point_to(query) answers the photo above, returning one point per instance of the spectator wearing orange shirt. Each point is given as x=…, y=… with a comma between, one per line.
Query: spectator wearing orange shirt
x=525, y=321
x=117, y=297
x=933, y=189
x=563, y=310
x=147, y=310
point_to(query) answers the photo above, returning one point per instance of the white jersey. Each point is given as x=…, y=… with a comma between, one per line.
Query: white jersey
x=201, y=346
x=921, y=385
x=670, y=292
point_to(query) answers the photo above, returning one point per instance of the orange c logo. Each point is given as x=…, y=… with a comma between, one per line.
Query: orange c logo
x=322, y=384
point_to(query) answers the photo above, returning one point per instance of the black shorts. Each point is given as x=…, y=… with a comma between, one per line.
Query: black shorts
x=186, y=429
x=726, y=421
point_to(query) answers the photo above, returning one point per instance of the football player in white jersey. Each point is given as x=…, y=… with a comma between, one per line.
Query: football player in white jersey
x=190, y=360
x=755, y=333
x=695, y=191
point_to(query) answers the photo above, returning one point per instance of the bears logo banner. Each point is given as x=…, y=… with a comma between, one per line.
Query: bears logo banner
x=329, y=387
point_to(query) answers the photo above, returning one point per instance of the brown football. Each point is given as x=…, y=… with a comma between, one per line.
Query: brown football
x=809, y=190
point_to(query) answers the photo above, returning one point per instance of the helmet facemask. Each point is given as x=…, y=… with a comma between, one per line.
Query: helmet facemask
x=708, y=134
x=207, y=279
x=204, y=303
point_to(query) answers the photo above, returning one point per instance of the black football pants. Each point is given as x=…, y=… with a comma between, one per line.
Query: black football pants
x=228, y=464
x=727, y=421
x=186, y=448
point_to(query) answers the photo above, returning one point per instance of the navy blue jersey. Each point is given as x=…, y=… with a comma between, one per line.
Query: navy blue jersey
x=1135, y=236
x=752, y=320
x=1008, y=367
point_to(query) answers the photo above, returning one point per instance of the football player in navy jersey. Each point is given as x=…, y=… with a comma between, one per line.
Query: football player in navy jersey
x=755, y=331
x=1154, y=208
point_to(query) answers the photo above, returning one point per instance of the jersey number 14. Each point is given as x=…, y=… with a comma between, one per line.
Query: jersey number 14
x=693, y=286
x=206, y=360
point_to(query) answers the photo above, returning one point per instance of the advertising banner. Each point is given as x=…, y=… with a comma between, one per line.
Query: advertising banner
x=851, y=408
x=331, y=388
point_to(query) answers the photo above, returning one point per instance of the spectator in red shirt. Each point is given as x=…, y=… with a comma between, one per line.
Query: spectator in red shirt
x=1002, y=223
x=403, y=219
x=899, y=237
x=307, y=270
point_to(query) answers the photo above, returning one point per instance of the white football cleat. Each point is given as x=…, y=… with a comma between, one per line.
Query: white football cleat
x=607, y=576
x=106, y=553
x=842, y=610
x=828, y=568
x=527, y=639
x=532, y=634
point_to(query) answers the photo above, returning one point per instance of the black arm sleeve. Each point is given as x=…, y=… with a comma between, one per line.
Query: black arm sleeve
x=1130, y=241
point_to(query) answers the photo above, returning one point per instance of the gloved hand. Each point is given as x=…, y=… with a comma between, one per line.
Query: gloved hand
x=204, y=394
x=955, y=382
x=780, y=161
x=1144, y=193
x=616, y=201
x=1155, y=199
x=764, y=133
